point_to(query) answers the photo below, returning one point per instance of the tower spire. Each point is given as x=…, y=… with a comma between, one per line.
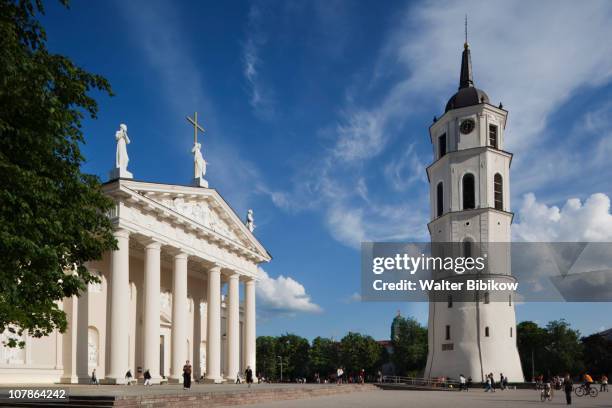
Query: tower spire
x=465, y=79
x=465, y=45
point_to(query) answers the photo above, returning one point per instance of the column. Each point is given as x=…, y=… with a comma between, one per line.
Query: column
x=179, y=316
x=233, y=327
x=119, y=306
x=213, y=326
x=151, y=312
x=249, y=325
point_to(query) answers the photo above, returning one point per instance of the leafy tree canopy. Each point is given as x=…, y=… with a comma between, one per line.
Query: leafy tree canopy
x=52, y=217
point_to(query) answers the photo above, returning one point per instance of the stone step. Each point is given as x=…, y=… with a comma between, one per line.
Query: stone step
x=193, y=399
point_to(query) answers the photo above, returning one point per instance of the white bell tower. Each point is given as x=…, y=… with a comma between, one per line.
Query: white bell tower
x=469, y=191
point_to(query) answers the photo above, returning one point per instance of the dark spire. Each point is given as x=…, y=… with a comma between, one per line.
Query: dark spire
x=466, y=79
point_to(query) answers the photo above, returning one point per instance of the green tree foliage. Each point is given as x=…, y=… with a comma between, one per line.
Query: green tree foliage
x=409, y=346
x=358, y=351
x=597, y=354
x=266, y=356
x=324, y=356
x=531, y=340
x=294, y=350
x=554, y=349
x=563, y=349
x=52, y=216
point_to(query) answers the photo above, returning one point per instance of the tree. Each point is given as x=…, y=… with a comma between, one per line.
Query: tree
x=563, y=349
x=266, y=356
x=597, y=354
x=530, y=341
x=324, y=358
x=358, y=351
x=409, y=346
x=53, y=217
x=555, y=349
x=294, y=352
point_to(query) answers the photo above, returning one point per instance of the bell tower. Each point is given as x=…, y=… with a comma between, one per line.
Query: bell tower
x=469, y=205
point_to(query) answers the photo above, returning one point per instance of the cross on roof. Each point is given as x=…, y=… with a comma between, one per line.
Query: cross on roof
x=196, y=127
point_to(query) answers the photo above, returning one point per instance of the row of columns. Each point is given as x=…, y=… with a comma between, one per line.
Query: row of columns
x=119, y=298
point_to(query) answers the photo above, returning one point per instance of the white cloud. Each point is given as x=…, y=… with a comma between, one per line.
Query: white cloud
x=283, y=295
x=353, y=298
x=574, y=222
x=261, y=99
x=405, y=170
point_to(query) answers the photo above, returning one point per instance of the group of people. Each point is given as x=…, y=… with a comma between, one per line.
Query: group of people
x=464, y=383
x=566, y=383
x=352, y=378
x=187, y=371
x=490, y=382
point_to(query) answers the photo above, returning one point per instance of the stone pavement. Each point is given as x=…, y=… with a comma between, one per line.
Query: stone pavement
x=433, y=399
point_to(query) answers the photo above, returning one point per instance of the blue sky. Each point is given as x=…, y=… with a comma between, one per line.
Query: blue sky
x=317, y=114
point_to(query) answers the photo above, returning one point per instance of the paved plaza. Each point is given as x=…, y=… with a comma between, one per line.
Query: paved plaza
x=435, y=399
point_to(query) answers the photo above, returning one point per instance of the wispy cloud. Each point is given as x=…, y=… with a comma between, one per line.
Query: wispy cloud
x=261, y=97
x=184, y=89
x=521, y=56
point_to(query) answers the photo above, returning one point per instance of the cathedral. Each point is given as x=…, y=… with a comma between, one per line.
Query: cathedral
x=469, y=205
x=168, y=294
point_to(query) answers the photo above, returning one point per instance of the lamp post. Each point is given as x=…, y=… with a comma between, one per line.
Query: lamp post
x=281, y=367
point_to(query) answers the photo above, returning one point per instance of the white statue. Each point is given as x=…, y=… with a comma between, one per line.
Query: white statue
x=122, y=159
x=121, y=155
x=198, y=159
x=250, y=220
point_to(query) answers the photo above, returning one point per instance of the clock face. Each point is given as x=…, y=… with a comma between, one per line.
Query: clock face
x=467, y=126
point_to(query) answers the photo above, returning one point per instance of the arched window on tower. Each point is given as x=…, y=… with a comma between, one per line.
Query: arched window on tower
x=467, y=248
x=469, y=192
x=439, y=199
x=447, y=332
x=487, y=331
x=498, y=189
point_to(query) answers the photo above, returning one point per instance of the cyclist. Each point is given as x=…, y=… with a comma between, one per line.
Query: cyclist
x=588, y=380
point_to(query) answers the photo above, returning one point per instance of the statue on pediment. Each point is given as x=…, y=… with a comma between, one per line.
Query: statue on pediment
x=121, y=155
x=250, y=220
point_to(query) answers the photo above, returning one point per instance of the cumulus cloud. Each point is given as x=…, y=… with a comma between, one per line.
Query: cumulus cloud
x=283, y=295
x=576, y=221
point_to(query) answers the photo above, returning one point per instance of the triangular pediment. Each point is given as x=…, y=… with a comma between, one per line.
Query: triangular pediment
x=202, y=206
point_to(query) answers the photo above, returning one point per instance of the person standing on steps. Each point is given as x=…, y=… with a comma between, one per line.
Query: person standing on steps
x=187, y=375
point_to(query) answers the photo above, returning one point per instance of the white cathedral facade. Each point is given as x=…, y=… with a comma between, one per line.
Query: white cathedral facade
x=168, y=294
x=469, y=195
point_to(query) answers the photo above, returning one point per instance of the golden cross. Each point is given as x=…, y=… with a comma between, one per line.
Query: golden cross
x=196, y=127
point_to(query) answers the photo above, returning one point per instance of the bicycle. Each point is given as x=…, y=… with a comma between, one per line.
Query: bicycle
x=546, y=394
x=581, y=391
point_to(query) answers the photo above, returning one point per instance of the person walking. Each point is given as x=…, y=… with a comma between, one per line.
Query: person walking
x=187, y=375
x=568, y=387
x=488, y=383
x=604, y=383
x=492, y=382
x=501, y=381
x=461, y=383
x=339, y=374
x=248, y=373
x=147, y=378
x=469, y=383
